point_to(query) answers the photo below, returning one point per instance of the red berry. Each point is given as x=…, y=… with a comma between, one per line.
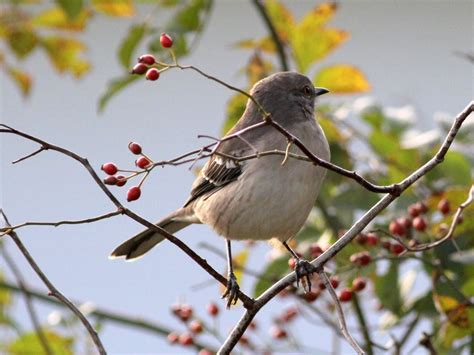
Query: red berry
x=147, y=59
x=397, y=248
x=110, y=180
x=311, y=296
x=277, y=332
x=195, y=326
x=121, y=180
x=166, y=40
x=345, y=295
x=372, y=239
x=315, y=250
x=292, y=263
x=185, y=312
x=414, y=210
x=361, y=239
x=289, y=314
x=405, y=221
x=358, y=284
x=205, y=352
x=152, y=74
x=212, y=309
x=361, y=259
x=176, y=308
x=334, y=281
x=419, y=223
x=253, y=325
x=422, y=207
x=133, y=193
x=109, y=168
x=443, y=206
x=142, y=162
x=173, y=338
x=135, y=148
x=397, y=228
x=139, y=69
x=185, y=339
x=386, y=245
x=244, y=340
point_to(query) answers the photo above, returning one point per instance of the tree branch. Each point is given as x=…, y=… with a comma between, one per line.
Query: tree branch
x=363, y=324
x=274, y=34
x=53, y=290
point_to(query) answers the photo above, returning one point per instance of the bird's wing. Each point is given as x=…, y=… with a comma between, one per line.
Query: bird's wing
x=217, y=173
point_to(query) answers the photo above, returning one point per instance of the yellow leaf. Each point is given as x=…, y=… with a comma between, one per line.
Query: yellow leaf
x=457, y=313
x=64, y=54
x=281, y=18
x=119, y=8
x=342, y=79
x=319, y=16
x=258, y=68
x=22, y=79
x=57, y=18
x=264, y=44
x=238, y=262
x=311, y=44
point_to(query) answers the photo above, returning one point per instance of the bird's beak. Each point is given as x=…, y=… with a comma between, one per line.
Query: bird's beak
x=320, y=91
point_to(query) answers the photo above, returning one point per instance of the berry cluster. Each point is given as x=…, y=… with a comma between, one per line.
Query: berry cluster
x=147, y=63
x=144, y=163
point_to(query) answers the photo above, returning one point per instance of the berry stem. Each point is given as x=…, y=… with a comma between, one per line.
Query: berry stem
x=143, y=178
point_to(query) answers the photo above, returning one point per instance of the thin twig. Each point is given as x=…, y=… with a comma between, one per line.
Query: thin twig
x=7, y=230
x=39, y=150
x=28, y=300
x=274, y=34
x=53, y=290
x=340, y=312
x=363, y=324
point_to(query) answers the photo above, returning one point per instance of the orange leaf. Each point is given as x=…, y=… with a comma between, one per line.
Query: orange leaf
x=22, y=80
x=119, y=8
x=342, y=79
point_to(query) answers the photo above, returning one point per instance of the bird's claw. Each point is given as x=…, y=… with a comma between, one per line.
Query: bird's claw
x=232, y=291
x=304, y=270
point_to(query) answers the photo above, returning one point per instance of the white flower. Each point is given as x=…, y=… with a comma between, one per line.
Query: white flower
x=54, y=318
x=363, y=104
x=404, y=114
x=414, y=139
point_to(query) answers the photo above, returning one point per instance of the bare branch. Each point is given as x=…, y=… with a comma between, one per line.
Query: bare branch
x=30, y=155
x=53, y=291
x=340, y=312
x=273, y=32
x=7, y=230
x=28, y=300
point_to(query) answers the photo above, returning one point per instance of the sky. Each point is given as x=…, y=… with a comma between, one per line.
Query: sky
x=405, y=48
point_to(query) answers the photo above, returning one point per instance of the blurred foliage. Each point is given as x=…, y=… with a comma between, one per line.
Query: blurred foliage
x=381, y=143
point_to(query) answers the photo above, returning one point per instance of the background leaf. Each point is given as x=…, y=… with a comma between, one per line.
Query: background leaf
x=129, y=44
x=342, y=79
x=72, y=8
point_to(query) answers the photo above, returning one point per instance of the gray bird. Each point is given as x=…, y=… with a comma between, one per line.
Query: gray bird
x=256, y=199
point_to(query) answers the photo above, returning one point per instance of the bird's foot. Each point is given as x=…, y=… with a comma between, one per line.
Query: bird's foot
x=232, y=291
x=304, y=270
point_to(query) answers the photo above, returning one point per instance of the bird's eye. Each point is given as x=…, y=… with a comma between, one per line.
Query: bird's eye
x=307, y=91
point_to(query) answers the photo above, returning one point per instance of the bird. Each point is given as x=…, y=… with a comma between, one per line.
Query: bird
x=254, y=199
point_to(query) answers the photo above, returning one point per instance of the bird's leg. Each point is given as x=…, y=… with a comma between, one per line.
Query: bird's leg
x=232, y=291
x=303, y=269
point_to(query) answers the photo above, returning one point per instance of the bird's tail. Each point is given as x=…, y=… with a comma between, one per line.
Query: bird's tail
x=141, y=243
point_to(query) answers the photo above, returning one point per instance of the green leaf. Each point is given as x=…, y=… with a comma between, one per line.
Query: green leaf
x=387, y=289
x=189, y=17
x=114, y=86
x=374, y=117
x=129, y=44
x=342, y=79
x=22, y=42
x=235, y=109
x=275, y=270
x=30, y=344
x=72, y=8
x=281, y=18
